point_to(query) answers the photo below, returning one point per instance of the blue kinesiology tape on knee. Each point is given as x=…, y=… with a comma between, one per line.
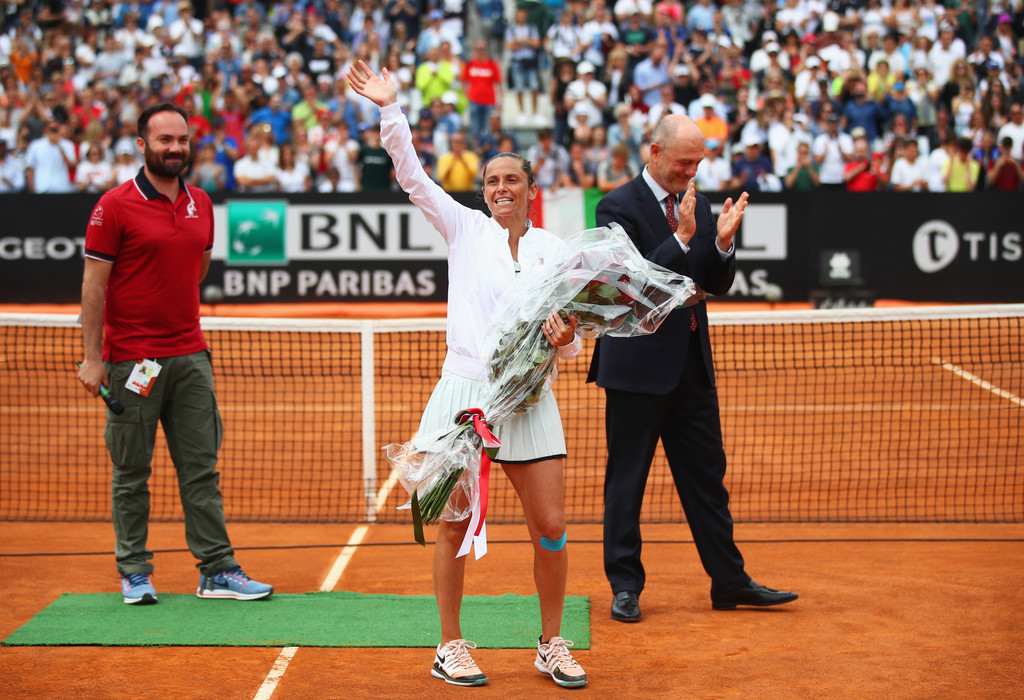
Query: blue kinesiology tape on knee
x=553, y=545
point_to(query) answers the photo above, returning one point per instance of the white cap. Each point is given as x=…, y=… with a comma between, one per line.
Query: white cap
x=812, y=62
x=752, y=139
x=682, y=69
x=830, y=22
x=450, y=98
x=585, y=67
x=707, y=100
x=772, y=47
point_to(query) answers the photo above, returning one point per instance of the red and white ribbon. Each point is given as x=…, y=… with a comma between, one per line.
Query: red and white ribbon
x=476, y=533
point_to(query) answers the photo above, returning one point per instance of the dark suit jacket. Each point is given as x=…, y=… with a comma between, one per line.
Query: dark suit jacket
x=653, y=364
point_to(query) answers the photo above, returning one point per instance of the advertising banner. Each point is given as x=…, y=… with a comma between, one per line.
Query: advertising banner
x=790, y=247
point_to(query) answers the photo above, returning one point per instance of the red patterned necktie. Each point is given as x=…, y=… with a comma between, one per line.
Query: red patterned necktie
x=673, y=221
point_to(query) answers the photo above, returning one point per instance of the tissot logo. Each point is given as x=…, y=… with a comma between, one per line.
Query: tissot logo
x=936, y=244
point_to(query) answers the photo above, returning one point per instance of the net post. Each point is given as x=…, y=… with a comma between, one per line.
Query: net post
x=369, y=421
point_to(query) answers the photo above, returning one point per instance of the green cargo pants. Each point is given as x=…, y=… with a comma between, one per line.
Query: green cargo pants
x=183, y=401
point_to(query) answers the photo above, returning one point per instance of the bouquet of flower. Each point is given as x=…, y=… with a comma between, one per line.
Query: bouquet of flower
x=608, y=287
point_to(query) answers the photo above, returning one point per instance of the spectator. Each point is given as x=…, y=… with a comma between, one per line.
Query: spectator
x=937, y=159
x=564, y=40
x=1014, y=130
x=581, y=172
x=432, y=36
x=291, y=175
x=490, y=141
x=434, y=77
x=831, y=151
x=960, y=172
x=616, y=170
x=522, y=40
x=651, y=74
x=944, y=52
x=623, y=131
x=803, y=174
x=710, y=123
x=750, y=171
x=862, y=111
x=207, y=174
x=1007, y=173
x=897, y=102
x=714, y=173
x=963, y=108
x=667, y=105
x=987, y=154
x=252, y=173
x=481, y=77
x=457, y=169
x=910, y=171
x=50, y=162
x=94, y=174
x=274, y=114
x=550, y=160
x=863, y=172
x=616, y=78
x=585, y=95
x=331, y=182
x=563, y=75
x=376, y=171
x=12, y=171
x=344, y=160
x=227, y=150
x=306, y=112
x=598, y=36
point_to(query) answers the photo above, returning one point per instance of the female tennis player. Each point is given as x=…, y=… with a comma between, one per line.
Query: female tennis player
x=484, y=256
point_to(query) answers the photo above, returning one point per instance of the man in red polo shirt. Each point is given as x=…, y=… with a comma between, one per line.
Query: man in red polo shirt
x=863, y=172
x=147, y=248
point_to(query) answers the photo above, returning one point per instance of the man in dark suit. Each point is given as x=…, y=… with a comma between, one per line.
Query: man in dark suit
x=662, y=386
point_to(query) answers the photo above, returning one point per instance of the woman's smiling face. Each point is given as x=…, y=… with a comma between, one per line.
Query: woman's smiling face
x=507, y=187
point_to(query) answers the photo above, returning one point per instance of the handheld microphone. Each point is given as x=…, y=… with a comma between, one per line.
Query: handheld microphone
x=113, y=403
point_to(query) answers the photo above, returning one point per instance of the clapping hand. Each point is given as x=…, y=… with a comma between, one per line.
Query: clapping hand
x=379, y=89
x=729, y=220
x=687, y=223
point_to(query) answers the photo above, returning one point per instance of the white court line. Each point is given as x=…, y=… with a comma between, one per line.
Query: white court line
x=978, y=381
x=277, y=671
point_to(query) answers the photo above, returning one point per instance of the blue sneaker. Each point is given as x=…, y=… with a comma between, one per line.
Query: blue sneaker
x=234, y=584
x=137, y=589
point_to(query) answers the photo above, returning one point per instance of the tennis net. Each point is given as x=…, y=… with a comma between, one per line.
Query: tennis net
x=902, y=415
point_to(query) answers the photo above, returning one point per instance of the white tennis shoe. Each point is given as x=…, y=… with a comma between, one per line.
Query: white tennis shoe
x=453, y=664
x=554, y=659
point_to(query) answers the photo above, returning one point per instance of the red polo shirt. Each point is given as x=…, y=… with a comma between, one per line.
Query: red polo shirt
x=156, y=248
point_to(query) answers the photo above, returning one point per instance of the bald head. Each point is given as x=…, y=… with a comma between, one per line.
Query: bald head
x=677, y=148
x=674, y=129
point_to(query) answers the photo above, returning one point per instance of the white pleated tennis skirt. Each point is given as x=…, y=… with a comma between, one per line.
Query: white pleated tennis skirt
x=527, y=437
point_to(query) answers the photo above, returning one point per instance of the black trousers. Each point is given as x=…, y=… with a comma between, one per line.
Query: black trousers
x=686, y=420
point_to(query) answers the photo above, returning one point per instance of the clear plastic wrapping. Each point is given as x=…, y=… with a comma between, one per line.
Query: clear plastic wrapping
x=607, y=286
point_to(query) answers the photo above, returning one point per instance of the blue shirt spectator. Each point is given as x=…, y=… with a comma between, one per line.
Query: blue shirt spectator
x=862, y=111
x=279, y=118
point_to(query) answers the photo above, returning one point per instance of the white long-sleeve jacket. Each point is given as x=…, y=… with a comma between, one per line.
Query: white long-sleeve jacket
x=480, y=265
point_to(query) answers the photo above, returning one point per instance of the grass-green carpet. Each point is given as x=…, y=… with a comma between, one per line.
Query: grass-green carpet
x=336, y=619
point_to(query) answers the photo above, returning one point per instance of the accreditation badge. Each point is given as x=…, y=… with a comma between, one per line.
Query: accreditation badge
x=143, y=377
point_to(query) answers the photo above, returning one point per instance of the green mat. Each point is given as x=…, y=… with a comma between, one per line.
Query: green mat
x=337, y=619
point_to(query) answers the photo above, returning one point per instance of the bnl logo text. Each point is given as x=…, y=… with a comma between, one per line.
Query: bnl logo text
x=937, y=244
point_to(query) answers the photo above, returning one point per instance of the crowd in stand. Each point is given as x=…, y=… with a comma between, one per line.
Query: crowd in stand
x=862, y=95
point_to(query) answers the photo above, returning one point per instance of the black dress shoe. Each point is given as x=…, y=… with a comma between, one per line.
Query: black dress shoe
x=626, y=606
x=751, y=594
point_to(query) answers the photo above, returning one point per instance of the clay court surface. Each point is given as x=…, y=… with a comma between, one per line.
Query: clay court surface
x=901, y=611
x=895, y=608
